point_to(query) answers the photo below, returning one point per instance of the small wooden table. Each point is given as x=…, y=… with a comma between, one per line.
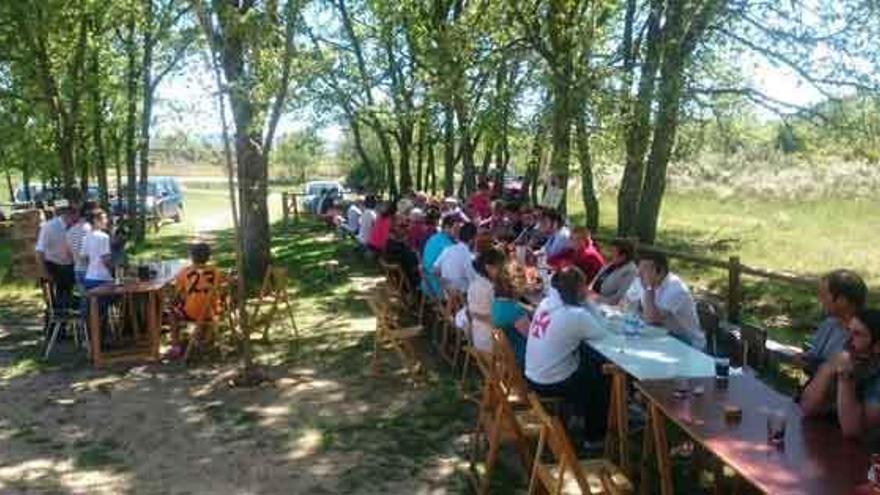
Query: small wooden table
x=150, y=292
x=815, y=458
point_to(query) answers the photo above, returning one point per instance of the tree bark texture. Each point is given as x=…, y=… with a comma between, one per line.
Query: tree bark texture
x=146, y=116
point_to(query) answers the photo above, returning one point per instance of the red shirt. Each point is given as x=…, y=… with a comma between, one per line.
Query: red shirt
x=480, y=203
x=588, y=259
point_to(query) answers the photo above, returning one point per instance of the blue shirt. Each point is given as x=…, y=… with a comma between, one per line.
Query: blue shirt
x=505, y=313
x=435, y=245
x=558, y=242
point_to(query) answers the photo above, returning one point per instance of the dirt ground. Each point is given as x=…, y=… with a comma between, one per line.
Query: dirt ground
x=321, y=424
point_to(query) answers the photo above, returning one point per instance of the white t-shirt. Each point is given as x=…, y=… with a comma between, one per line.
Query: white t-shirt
x=95, y=245
x=480, y=295
x=75, y=237
x=674, y=300
x=554, y=336
x=456, y=265
x=52, y=242
x=368, y=218
x=354, y=218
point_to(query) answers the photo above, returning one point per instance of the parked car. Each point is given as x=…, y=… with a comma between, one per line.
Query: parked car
x=164, y=199
x=316, y=191
x=45, y=195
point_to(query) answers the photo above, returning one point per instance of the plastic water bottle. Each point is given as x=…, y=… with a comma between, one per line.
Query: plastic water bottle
x=631, y=325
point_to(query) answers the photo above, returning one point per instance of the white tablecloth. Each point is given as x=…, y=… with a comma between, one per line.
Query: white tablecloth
x=651, y=355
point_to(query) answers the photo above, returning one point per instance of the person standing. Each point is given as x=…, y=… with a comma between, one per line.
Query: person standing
x=54, y=256
x=96, y=250
x=75, y=236
x=368, y=218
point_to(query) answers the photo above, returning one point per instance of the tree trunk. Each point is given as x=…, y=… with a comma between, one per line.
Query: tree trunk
x=130, y=117
x=533, y=169
x=404, y=145
x=10, y=186
x=666, y=124
x=97, y=130
x=560, y=129
x=448, y=150
x=638, y=131
x=588, y=190
x=146, y=116
x=468, y=173
x=420, y=152
x=432, y=169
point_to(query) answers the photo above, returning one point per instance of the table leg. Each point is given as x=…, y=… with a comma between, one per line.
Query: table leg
x=617, y=440
x=661, y=446
x=95, y=330
x=154, y=318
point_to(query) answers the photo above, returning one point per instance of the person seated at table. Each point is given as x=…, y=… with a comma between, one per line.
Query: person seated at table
x=197, y=294
x=434, y=247
x=480, y=296
x=421, y=227
x=665, y=300
x=368, y=218
x=842, y=294
x=351, y=222
x=452, y=209
x=611, y=283
x=397, y=251
x=382, y=227
x=530, y=233
x=509, y=315
x=553, y=366
x=582, y=253
x=479, y=205
x=848, y=384
x=558, y=234
x=454, y=266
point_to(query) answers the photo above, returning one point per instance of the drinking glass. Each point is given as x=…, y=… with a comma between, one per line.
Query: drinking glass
x=722, y=368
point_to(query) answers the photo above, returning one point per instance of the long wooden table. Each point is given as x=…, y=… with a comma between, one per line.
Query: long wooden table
x=148, y=293
x=815, y=458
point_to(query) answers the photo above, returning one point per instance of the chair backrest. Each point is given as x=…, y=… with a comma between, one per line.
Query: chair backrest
x=710, y=321
x=555, y=457
x=754, y=345
x=507, y=372
x=453, y=302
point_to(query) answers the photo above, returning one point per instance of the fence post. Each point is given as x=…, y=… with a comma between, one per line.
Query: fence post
x=295, y=209
x=285, y=201
x=734, y=288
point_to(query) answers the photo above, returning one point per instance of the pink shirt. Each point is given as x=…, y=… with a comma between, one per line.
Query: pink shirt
x=379, y=234
x=480, y=204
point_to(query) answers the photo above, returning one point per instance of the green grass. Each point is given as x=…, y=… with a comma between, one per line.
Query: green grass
x=803, y=237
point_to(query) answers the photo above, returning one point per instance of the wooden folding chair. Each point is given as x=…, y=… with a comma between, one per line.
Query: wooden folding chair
x=266, y=307
x=504, y=414
x=57, y=319
x=561, y=472
x=448, y=307
x=389, y=333
x=753, y=341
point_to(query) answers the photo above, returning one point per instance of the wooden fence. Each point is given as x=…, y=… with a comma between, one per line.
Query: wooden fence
x=735, y=271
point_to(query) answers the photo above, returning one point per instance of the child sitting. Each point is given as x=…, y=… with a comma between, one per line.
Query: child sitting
x=198, y=300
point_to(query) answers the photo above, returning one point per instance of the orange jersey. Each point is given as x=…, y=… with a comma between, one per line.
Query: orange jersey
x=195, y=285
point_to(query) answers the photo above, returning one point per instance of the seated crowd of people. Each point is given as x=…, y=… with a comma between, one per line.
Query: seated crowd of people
x=490, y=251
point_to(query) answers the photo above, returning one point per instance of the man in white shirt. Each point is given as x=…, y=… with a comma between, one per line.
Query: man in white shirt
x=353, y=217
x=455, y=265
x=368, y=218
x=553, y=360
x=665, y=300
x=54, y=256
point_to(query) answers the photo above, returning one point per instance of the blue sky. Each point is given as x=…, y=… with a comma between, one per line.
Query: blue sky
x=186, y=101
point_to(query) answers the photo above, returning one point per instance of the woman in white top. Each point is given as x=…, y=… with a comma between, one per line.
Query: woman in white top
x=554, y=367
x=96, y=249
x=368, y=218
x=481, y=295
